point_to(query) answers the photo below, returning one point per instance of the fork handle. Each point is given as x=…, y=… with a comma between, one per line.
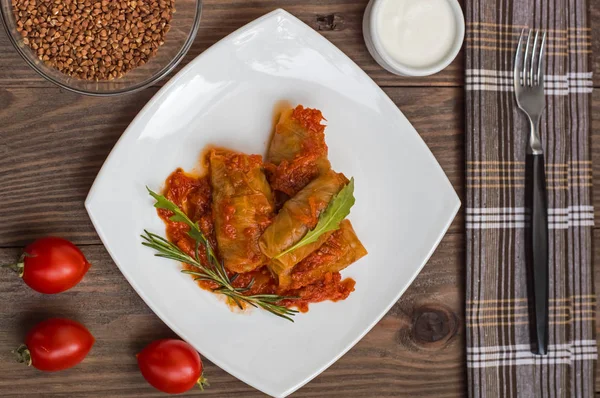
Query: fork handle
x=538, y=249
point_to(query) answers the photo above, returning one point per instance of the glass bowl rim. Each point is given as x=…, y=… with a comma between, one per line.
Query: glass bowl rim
x=135, y=88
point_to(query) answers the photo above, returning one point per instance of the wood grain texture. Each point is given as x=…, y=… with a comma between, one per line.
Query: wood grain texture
x=52, y=144
x=394, y=359
x=49, y=155
x=221, y=17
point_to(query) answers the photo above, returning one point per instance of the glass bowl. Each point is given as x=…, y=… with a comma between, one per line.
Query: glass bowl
x=184, y=27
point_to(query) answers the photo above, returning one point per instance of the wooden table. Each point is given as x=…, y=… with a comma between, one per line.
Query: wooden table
x=52, y=144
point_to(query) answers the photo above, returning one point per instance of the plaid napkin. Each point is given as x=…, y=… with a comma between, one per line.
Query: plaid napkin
x=499, y=358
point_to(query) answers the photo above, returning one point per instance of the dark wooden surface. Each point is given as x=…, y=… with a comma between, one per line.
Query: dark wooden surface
x=52, y=144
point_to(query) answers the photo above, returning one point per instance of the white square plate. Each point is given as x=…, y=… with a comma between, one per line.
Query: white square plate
x=227, y=96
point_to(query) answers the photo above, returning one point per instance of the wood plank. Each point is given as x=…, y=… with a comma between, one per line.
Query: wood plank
x=221, y=17
x=50, y=155
x=423, y=331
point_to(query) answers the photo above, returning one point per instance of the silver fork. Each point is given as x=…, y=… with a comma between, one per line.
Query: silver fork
x=528, y=76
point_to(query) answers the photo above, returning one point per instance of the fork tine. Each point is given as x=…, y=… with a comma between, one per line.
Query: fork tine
x=533, y=78
x=525, y=59
x=540, y=72
x=516, y=66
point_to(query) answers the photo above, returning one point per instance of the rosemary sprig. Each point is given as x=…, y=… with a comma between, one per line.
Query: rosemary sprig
x=214, y=273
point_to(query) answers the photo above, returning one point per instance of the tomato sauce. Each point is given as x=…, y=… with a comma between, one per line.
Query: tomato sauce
x=309, y=270
x=289, y=177
x=193, y=195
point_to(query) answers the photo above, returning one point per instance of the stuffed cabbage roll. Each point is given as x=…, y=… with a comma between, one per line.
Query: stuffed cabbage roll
x=339, y=251
x=297, y=152
x=242, y=205
x=299, y=215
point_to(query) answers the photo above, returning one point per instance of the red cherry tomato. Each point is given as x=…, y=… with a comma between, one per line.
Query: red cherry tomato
x=171, y=366
x=56, y=344
x=52, y=265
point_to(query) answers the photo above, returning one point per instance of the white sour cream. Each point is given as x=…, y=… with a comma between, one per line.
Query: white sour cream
x=416, y=33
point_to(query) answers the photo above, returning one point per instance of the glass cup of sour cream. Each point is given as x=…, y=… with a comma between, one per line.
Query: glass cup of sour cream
x=414, y=37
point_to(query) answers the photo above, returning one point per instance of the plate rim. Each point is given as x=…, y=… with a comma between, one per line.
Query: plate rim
x=89, y=202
